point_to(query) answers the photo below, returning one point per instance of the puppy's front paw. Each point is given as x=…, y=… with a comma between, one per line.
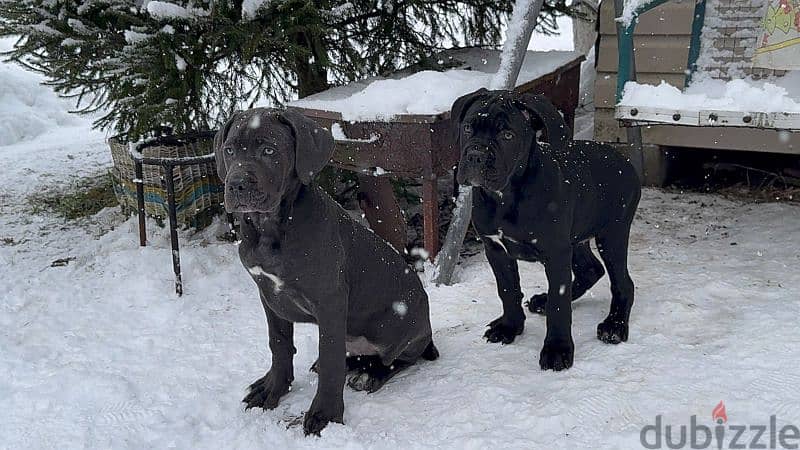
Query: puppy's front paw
x=318, y=417
x=504, y=330
x=537, y=303
x=557, y=355
x=267, y=391
x=612, y=331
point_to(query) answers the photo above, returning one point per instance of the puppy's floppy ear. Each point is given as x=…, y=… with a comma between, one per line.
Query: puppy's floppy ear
x=545, y=115
x=461, y=106
x=219, y=141
x=313, y=145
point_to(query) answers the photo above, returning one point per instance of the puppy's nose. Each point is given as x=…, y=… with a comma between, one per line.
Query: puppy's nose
x=476, y=157
x=239, y=183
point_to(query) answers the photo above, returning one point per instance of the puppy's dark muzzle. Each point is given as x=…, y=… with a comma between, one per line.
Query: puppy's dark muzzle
x=474, y=166
x=240, y=184
x=242, y=194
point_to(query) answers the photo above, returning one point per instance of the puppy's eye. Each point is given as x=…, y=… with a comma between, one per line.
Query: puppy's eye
x=269, y=151
x=467, y=129
x=229, y=150
x=507, y=135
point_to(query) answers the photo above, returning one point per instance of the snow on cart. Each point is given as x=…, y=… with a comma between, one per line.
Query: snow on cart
x=399, y=125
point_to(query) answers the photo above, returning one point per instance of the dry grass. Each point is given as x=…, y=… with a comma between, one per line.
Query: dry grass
x=84, y=198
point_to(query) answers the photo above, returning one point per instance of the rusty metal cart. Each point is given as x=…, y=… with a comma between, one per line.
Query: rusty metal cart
x=421, y=146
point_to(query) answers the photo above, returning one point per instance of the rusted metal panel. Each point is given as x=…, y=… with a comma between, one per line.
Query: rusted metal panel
x=561, y=87
x=443, y=138
x=401, y=148
x=430, y=215
x=376, y=198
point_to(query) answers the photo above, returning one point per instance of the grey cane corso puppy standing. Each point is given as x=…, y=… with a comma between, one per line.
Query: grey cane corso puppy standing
x=536, y=202
x=313, y=263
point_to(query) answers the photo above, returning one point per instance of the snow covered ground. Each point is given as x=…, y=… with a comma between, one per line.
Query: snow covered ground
x=101, y=354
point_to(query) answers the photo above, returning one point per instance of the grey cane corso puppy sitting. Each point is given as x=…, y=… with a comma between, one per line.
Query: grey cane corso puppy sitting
x=537, y=202
x=313, y=263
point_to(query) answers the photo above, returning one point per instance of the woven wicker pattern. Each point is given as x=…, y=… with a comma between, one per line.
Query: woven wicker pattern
x=730, y=37
x=198, y=189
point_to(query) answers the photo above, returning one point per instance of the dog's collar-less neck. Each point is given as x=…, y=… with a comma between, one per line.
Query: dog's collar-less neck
x=524, y=169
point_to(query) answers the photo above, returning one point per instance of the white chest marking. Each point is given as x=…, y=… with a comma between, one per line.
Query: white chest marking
x=257, y=271
x=498, y=239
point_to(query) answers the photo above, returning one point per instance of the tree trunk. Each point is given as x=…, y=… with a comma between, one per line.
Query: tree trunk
x=312, y=76
x=584, y=30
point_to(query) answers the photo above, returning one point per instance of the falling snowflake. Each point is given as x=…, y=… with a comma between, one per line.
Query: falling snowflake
x=400, y=308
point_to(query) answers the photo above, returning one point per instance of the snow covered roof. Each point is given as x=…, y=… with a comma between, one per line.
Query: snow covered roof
x=428, y=92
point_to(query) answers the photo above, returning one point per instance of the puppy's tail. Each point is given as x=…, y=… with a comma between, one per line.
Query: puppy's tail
x=430, y=353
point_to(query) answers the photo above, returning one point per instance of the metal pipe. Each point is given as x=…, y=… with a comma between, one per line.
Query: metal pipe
x=139, y=181
x=173, y=227
x=232, y=225
x=627, y=72
x=185, y=161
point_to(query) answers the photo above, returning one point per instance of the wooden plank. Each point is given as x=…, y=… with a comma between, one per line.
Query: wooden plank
x=725, y=138
x=607, y=129
x=646, y=115
x=649, y=115
x=708, y=118
x=671, y=18
x=776, y=120
x=654, y=54
x=605, y=85
x=787, y=121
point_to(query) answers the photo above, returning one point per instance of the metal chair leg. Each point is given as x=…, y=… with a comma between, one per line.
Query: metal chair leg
x=173, y=228
x=139, y=181
x=232, y=225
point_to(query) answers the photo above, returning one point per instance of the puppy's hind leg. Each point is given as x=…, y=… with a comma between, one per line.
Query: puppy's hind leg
x=587, y=270
x=431, y=353
x=374, y=376
x=353, y=363
x=613, y=247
